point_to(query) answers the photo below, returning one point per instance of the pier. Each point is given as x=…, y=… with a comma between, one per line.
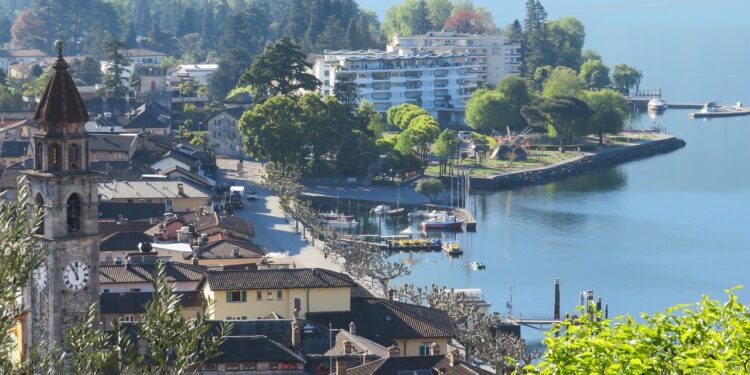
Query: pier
x=544, y=322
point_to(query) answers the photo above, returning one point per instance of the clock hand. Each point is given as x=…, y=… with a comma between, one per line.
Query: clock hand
x=75, y=271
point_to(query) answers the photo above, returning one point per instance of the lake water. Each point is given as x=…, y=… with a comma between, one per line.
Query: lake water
x=647, y=234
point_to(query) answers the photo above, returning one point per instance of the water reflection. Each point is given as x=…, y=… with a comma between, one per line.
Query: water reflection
x=601, y=180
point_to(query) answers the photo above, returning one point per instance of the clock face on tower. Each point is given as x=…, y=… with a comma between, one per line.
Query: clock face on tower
x=76, y=275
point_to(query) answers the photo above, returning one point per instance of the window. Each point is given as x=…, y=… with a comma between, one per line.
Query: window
x=269, y=295
x=424, y=349
x=237, y=296
x=73, y=156
x=135, y=290
x=54, y=157
x=297, y=304
x=209, y=366
x=128, y=318
x=259, y=295
x=279, y=294
x=273, y=365
x=39, y=202
x=74, y=213
x=38, y=155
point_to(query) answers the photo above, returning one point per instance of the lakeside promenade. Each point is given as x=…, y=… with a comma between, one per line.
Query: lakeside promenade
x=272, y=230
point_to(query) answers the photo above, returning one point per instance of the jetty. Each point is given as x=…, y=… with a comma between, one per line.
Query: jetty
x=727, y=113
x=640, y=99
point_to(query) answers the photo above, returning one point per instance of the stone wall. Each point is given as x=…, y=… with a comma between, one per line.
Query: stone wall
x=585, y=164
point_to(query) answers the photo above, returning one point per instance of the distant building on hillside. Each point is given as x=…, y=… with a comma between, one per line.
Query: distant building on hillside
x=224, y=135
x=438, y=82
x=495, y=56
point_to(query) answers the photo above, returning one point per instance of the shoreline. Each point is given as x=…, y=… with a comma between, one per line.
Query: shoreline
x=578, y=165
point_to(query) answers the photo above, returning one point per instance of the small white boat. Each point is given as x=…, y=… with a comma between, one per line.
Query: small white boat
x=656, y=104
x=380, y=209
x=477, y=266
x=334, y=216
x=443, y=222
x=342, y=222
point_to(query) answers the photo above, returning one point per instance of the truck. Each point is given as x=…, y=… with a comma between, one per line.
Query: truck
x=236, y=194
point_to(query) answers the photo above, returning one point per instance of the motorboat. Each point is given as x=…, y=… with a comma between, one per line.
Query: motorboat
x=713, y=107
x=452, y=248
x=334, y=216
x=426, y=214
x=341, y=222
x=656, y=104
x=380, y=209
x=477, y=266
x=444, y=222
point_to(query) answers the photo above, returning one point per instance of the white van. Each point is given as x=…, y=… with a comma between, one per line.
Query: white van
x=465, y=135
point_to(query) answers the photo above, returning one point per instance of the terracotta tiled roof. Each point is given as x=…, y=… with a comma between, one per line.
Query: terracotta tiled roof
x=206, y=222
x=278, y=279
x=379, y=319
x=61, y=102
x=143, y=273
x=434, y=364
x=231, y=249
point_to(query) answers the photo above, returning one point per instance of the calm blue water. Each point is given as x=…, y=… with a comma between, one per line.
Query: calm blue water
x=647, y=234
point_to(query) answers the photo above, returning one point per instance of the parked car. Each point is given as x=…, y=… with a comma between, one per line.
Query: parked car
x=465, y=135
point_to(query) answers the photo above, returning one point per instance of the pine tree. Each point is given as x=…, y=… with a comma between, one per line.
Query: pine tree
x=187, y=23
x=352, y=35
x=131, y=39
x=208, y=28
x=142, y=17
x=420, y=22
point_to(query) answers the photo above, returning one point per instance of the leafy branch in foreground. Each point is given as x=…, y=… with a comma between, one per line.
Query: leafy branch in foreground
x=20, y=255
x=709, y=337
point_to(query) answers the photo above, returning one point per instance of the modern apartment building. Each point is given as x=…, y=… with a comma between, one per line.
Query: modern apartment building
x=438, y=82
x=494, y=55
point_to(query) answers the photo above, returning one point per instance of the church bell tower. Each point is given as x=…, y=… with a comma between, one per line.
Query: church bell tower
x=68, y=282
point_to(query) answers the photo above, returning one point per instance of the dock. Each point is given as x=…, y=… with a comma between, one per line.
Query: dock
x=468, y=219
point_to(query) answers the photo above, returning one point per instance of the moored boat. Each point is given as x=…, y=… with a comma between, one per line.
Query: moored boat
x=657, y=104
x=477, y=266
x=452, y=248
x=443, y=222
x=380, y=209
x=338, y=221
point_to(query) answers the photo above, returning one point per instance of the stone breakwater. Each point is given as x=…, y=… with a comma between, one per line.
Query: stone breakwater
x=578, y=166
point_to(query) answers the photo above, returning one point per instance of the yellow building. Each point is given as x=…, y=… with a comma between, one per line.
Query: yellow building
x=256, y=294
x=415, y=330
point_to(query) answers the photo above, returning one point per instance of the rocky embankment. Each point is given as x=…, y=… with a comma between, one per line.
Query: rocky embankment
x=575, y=167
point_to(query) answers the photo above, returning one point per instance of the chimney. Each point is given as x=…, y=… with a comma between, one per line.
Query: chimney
x=296, y=335
x=435, y=349
x=340, y=366
x=180, y=189
x=453, y=357
x=352, y=328
x=394, y=351
x=390, y=294
x=348, y=347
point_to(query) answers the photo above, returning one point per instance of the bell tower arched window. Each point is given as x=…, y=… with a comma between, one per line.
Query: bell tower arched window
x=54, y=157
x=73, y=157
x=39, y=203
x=39, y=155
x=74, y=213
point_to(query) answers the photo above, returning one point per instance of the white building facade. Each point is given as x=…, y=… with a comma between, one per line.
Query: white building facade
x=495, y=56
x=438, y=82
